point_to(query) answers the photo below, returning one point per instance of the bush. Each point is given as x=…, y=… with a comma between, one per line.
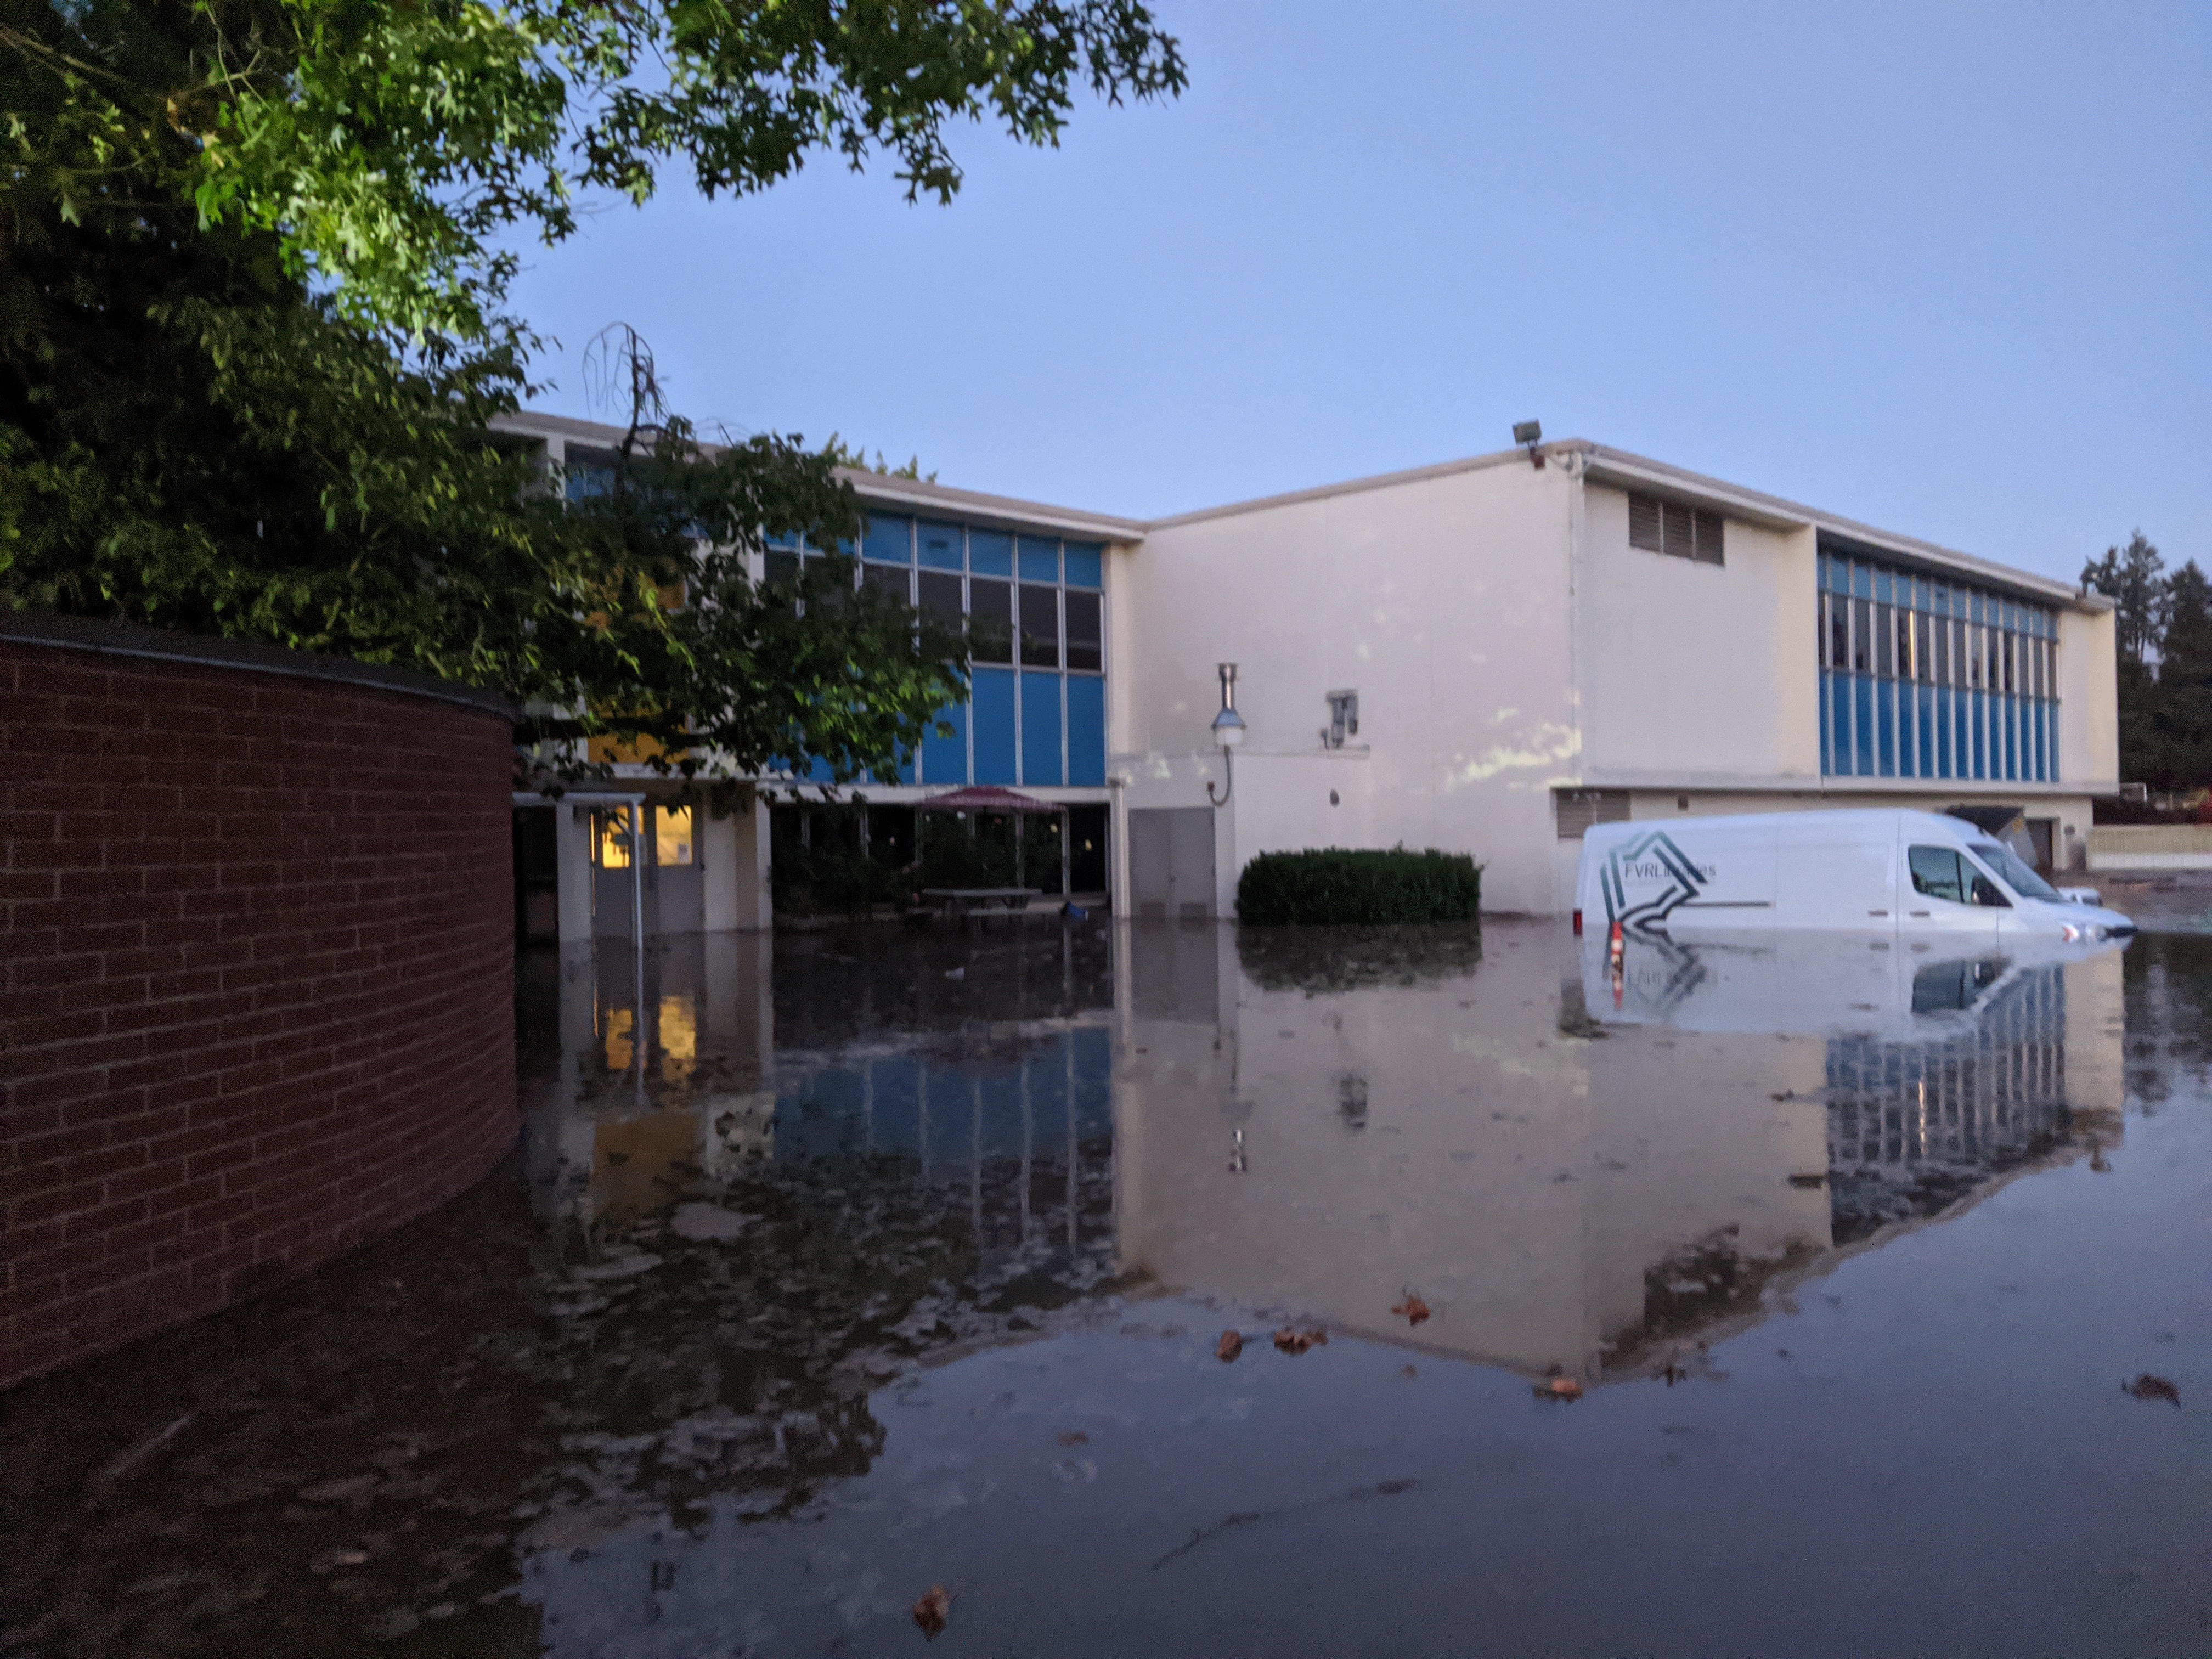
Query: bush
x=1340, y=886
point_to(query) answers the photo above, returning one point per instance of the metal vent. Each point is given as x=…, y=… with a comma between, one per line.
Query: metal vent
x=1575, y=810
x=1674, y=528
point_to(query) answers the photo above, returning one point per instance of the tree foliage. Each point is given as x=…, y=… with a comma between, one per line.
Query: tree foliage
x=253, y=336
x=2162, y=628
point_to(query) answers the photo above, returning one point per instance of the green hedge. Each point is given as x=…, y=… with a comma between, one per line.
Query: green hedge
x=1338, y=886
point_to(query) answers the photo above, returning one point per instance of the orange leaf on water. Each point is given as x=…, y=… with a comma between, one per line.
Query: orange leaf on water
x=1075, y=1437
x=1412, y=1309
x=1230, y=1346
x=1291, y=1340
x=930, y=1610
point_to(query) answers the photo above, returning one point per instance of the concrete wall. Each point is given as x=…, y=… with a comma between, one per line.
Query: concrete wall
x=256, y=1000
x=1704, y=672
x=1442, y=600
x=2151, y=846
x=2089, y=707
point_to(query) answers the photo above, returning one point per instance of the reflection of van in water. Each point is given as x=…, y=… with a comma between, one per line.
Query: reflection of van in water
x=1880, y=871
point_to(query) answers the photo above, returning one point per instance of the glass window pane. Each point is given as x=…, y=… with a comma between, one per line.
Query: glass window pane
x=1040, y=626
x=671, y=835
x=610, y=837
x=1084, y=646
x=1040, y=560
x=941, y=597
x=990, y=553
x=893, y=584
x=1884, y=661
x=889, y=540
x=990, y=620
x=940, y=545
x=1923, y=666
x=1942, y=643
x=1935, y=873
x=1861, y=635
x=781, y=567
x=1086, y=564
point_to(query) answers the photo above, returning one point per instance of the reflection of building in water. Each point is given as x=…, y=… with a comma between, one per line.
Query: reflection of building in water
x=1552, y=1197
x=1982, y=1086
x=648, y=1073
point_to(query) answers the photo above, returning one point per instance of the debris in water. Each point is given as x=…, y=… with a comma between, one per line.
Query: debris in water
x=1558, y=1388
x=1291, y=1340
x=1412, y=1309
x=1229, y=1347
x=2148, y=1386
x=1073, y=1437
x=950, y=973
x=930, y=1610
x=1809, y=1179
x=1409, y=1372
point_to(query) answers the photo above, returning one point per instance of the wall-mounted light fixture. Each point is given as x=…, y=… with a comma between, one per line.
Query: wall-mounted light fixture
x=1528, y=434
x=1228, y=731
x=1343, y=719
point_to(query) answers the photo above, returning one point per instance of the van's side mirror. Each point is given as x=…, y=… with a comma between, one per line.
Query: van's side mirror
x=1985, y=893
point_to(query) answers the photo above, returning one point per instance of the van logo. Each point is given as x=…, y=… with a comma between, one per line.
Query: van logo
x=1646, y=878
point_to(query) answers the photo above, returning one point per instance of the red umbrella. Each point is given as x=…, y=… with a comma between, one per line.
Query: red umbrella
x=986, y=798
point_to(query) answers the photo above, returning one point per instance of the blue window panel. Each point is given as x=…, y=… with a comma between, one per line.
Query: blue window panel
x=1827, y=722
x=1863, y=723
x=1976, y=718
x=1887, y=714
x=944, y=760
x=2012, y=738
x=1862, y=581
x=1094, y=1087
x=990, y=553
x=1908, y=759
x=783, y=538
x=1880, y=585
x=1086, y=564
x=1041, y=729
x=1040, y=560
x=1921, y=715
x=940, y=546
x=1086, y=731
x=889, y=540
x=992, y=699
x=1942, y=699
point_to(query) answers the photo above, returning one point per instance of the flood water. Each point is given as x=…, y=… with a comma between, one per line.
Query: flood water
x=1773, y=1301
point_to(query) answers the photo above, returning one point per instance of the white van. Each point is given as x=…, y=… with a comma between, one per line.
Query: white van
x=1884, y=872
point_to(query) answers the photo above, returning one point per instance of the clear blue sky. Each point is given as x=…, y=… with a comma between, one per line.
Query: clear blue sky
x=1944, y=268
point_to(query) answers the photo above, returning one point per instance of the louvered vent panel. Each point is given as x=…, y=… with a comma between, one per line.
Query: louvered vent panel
x=1576, y=809
x=1681, y=531
x=1644, y=522
x=1709, y=537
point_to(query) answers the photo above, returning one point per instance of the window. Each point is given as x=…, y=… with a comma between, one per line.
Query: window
x=1040, y=626
x=1884, y=664
x=1935, y=873
x=1924, y=666
x=610, y=837
x=783, y=564
x=2017, y=876
x=890, y=580
x=990, y=620
x=1861, y=633
x=941, y=598
x=1672, y=527
x=671, y=836
x=1839, y=630
x=1085, y=640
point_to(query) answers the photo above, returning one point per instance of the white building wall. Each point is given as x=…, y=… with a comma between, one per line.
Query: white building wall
x=1442, y=600
x=1699, y=672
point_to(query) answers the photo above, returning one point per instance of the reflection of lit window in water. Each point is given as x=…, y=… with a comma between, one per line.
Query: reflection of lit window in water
x=679, y=1037
x=1913, y=1126
x=671, y=835
x=610, y=838
x=620, y=1024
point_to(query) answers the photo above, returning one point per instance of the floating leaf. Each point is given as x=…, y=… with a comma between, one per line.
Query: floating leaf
x=1075, y=1437
x=1291, y=1340
x=929, y=1612
x=1412, y=1309
x=1229, y=1347
x=2148, y=1386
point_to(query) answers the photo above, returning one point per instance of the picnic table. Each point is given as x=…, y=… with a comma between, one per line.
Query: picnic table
x=965, y=902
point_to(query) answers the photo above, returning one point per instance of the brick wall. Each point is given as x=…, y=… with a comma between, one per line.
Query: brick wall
x=257, y=998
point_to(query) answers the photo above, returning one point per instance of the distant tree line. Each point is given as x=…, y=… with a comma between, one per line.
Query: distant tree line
x=2163, y=635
